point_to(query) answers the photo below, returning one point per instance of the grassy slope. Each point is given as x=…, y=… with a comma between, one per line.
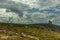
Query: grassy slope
x=32, y=30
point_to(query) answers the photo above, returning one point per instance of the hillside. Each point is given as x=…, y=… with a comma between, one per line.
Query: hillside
x=29, y=32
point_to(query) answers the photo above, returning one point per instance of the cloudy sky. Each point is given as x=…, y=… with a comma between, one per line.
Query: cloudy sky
x=30, y=11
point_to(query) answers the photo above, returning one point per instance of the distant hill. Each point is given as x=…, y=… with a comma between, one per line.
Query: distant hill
x=52, y=27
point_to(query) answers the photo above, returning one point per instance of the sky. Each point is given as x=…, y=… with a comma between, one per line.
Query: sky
x=30, y=11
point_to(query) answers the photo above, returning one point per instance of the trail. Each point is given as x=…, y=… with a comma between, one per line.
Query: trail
x=25, y=35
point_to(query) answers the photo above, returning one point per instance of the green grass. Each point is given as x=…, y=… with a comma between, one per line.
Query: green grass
x=32, y=30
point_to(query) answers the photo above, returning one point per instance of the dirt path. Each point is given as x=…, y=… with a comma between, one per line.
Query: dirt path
x=25, y=35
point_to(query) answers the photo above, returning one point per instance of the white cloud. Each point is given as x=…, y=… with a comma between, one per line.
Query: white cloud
x=4, y=16
x=42, y=4
x=39, y=17
x=29, y=16
x=3, y=13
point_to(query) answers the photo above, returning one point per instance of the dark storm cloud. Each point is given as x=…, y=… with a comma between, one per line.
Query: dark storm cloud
x=16, y=11
x=3, y=0
x=15, y=7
